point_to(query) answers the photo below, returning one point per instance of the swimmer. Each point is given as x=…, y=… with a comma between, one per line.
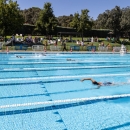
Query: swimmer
x=98, y=83
x=19, y=56
x=70, y=60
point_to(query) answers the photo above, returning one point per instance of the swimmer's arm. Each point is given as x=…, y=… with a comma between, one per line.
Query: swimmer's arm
x=82, y=80
x=98, y=86
x=86, y=79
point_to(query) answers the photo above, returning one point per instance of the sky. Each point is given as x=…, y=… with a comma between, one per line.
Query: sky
x=67, y=7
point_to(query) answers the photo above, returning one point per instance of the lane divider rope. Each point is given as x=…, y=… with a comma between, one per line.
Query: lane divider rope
x=65, y=101
x=70, y=62
x=63, y=77
x=82, y=67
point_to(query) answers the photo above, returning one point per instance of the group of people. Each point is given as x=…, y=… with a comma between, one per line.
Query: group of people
x=94, y=39
x=81, y=43
x=103, y=45
x=29, y=39
x=110, y=38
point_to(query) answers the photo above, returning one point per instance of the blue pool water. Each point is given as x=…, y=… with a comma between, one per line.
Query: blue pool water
x=44, y=92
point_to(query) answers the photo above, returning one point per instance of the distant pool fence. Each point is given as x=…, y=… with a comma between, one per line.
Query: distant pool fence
x=53, y=47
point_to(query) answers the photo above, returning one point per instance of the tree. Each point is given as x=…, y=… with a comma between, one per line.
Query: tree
x=111, y=19
x=64, y=21
x=47, y=20
x=101, y=21
x=81, y=22
x=11, y=20
x=31, y=15
x=114, y=20
x=75, y=21
x=85, y=22
x=125, y=20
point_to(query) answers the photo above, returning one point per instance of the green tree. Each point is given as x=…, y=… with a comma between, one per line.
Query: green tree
x=64, y=21
x=113, y=21
x=47, y=20
x=125, y=20
x=76, y=21
x=82, y=22
x=101, y=21
x=31, y=15
x=11, y=20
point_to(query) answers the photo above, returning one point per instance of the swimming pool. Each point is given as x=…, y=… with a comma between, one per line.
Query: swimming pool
x=44, y=91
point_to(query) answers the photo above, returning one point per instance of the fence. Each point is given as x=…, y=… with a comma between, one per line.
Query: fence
x=21, y=47
x=116, y=49
x=59, y=48
x=37, y=47
x=91, y=48
x=75, y=48
x=55, y=48
x=102, y=48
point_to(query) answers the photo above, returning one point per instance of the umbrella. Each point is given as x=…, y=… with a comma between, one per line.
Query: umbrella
x=110, y=33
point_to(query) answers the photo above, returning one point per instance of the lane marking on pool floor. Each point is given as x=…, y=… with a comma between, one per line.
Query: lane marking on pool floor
x=65, y=101
x=75, y=67
x=62, y=77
